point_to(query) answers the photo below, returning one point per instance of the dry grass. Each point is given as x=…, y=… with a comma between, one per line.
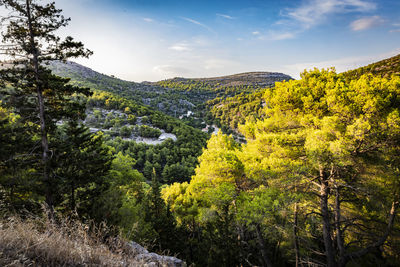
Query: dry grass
x=37, y=242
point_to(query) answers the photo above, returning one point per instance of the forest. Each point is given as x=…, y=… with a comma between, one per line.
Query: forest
x=313, y=180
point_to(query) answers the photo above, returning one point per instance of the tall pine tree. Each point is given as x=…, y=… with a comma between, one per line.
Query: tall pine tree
x=29, y=89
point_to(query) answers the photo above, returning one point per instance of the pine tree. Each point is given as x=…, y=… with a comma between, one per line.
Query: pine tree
x=80, y=164
x=158, y=215
x=29, y=41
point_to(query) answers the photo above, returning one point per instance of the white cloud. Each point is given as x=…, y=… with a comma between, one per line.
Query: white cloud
x=180, y=47
x=169, y=71
x=224, y=16
x=366, y=23
x=397, y=27
x=197, y=23
x=256, y=33
x=312, y=12
x=282, y=36
x=148, y=19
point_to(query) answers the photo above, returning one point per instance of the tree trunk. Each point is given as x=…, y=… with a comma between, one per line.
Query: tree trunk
x=339, y=233
x=263, y=249
x=326, y=226
x=295, y=235
x=41, y=104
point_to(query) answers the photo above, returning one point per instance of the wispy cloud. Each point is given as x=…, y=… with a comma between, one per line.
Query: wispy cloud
x=197, y=23
x=171, y=70
x=180, y=47
x=148, y=19
x=282, y=36
x=225, y=16
x=256, y=33
x=276, y=35
x=366, y=23
x=397, y=27
x=311, y=13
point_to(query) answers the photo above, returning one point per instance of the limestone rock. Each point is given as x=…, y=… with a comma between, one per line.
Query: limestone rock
x=145, y=258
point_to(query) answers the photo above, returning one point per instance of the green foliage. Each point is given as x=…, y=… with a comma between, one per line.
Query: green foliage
x=322, y=134
x=325, y=126
x=81, y=162
x=220, y=204
x=236, y=110
x=146, y=131
x=63, y=166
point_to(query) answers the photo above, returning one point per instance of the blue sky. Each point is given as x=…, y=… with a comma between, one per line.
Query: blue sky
x=151, y=39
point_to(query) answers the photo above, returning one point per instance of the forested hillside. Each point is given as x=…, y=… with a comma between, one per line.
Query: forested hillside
x=167, y=101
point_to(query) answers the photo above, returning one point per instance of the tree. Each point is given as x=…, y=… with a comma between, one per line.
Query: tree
x=30, y=40
x=158, y=215
x=80, y=165
x=336, y=141
x=225, y=207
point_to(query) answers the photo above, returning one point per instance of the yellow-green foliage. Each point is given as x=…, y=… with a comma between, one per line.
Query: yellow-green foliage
x=322, y=123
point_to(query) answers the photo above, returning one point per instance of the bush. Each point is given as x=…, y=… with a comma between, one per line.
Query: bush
x=146, y=131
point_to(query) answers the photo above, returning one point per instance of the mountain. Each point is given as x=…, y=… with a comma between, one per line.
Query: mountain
x=255, y=79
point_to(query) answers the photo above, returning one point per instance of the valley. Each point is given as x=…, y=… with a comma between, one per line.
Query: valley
x=190, y=100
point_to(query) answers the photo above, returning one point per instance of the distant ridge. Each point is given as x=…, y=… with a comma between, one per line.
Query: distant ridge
x=254, y=74
x=259, y=79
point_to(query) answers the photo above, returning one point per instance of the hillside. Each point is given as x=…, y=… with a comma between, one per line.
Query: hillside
x=165, y=100
x=384, y=68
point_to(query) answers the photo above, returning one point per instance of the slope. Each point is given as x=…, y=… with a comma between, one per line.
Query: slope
x=384, y=68
x=165, y=100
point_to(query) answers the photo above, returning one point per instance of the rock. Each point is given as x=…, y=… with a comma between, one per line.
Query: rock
x=149, y=259
x=138, y=249
x=145, y=258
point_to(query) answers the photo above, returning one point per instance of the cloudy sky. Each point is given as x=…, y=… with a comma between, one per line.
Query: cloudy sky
x=150, y=40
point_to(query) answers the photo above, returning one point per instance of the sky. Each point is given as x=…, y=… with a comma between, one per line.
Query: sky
x=150, y=40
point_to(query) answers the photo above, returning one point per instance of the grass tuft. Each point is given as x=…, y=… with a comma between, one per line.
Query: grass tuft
x=39, y=242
